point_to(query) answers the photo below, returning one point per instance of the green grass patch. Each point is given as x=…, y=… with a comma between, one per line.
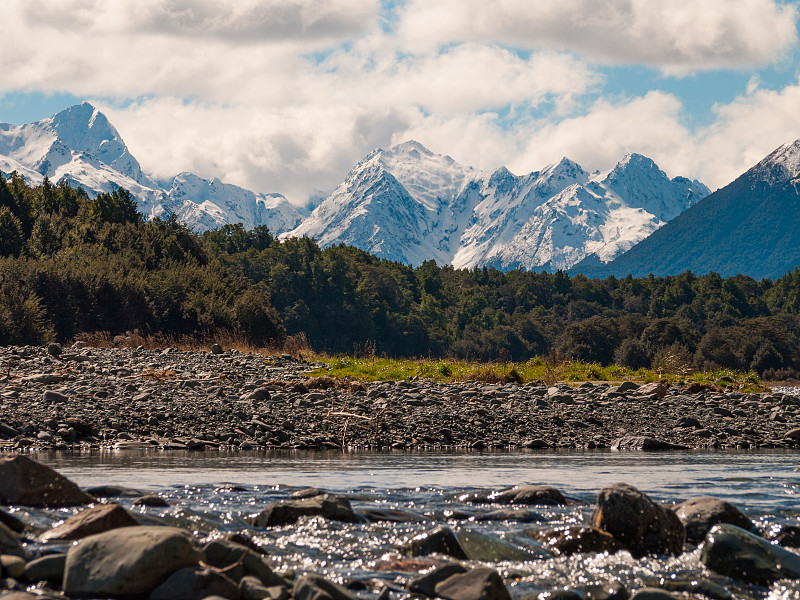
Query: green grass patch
x=537, y=370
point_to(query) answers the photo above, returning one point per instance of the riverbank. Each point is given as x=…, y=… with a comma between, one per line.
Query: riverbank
x=127, y=398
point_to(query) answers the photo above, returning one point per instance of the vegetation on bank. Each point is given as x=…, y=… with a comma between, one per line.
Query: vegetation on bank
x=73, y=266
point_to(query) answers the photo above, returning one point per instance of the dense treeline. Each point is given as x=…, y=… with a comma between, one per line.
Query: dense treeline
x=73, y=264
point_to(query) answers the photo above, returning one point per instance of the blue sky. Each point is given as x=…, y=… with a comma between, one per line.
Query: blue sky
x=286, y=95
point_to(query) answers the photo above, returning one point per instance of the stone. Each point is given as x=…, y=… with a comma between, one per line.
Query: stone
x=784, y=534
x=195, y=583
x=575, y=539
x=541, y=495
x=12, y=522
x=13, y=566
x=640, y=442
x=438, y=541
x=627, y=386
x=376, y=515
x=99, y=518
x=53, y=397
x=481, y=583
x=250, y=588
x=114, y=491
x=151, y=500
x=316, y=587
x=335, y=508
x=656, y=387
x=48, y=568
x=793, y=434
x=639, y=524
x=126, y=562
x=651, y=593
x=699, y=515
x=10, y=543
x=238, y=561
x=509, y=514
x=486, y=547
x=54, y=349
x=426, y=584
x=25, y=482
x=739, y=554
x=216, y=349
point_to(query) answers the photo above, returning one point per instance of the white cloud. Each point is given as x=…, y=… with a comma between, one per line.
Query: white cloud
x=675, y=35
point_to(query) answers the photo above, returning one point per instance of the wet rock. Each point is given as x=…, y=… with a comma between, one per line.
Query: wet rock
x=487, y=547
x=650, y=593
x=25, y=482
x=376, y=515
x=131, y=561
x=698, y=515
x=481, y=583
x=575, y=539
x=250, y=588
x=732, y=551
x=509, y=514
x=438, y=541
x=638, y=442
x=151, y=500
x=48, y=568
x=335, y=508
x=638, y=523
x=307, y=493
x=12, y=522
x=316, y=587
x=785, y=535
x=238, y=561
x=100, y=518
x=13, y=566
x=10, y=543
x=426, y=584
x=193, y=583
x=540, y=495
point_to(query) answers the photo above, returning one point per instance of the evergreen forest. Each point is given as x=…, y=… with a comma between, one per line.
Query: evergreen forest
x=71, y=265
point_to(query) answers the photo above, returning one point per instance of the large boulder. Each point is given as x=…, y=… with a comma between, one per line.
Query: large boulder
x=739, y=554
x=127, y=562
x=195, y=583
x=699, y=515
x=316, y=587
x=481, y=583
x=99, y=518
x=639, y=524
x=541, y=495
x=25, y=482
x=335, y=508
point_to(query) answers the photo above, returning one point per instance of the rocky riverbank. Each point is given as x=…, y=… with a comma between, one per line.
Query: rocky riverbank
x=528, y=542
x=84, y=398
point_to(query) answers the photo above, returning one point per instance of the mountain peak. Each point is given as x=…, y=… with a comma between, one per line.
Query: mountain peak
x=410, y=148
x=782, y=164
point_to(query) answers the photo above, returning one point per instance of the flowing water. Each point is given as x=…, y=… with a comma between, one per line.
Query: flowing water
x=213, y=493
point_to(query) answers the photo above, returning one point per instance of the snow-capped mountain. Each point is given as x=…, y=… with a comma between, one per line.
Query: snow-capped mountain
x=751, y=227
x=410, y=205
x=81, y=146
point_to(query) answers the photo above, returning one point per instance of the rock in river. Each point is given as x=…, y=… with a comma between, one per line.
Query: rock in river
x=100, y=518
x=742, y=555
x=481, y=583
x=699, y=515
x=336, y=508
x=25, y=482
x=639, y=524
x=127, y=562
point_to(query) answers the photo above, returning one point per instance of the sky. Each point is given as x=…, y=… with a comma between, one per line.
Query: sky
x=288, y=95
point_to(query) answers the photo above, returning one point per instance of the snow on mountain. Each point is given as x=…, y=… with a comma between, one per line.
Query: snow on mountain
x=410, y=205
x=781, y=165
x=79, y=145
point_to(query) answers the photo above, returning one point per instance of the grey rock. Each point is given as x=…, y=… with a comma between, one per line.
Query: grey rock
x=250, y=588
x=732, y=551
x=194, y=583
x=48, y=568
x=639, y=442
x=336, y=508
x=99, y=518
x=131, y=561
x=239, y=561
x=540, y=495
x=650, y=593
x=316, y=587
x=25, y=482
x=438, y=541
x=481, y=583
x=426, y=584
x=699, y=515
x=638, y=523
